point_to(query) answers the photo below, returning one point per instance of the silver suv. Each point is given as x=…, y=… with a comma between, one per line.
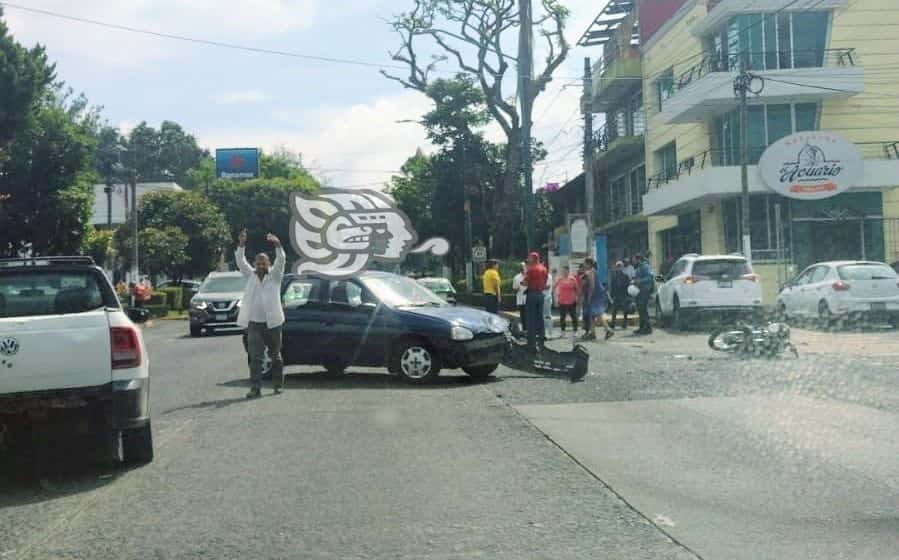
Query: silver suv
x=217, y=303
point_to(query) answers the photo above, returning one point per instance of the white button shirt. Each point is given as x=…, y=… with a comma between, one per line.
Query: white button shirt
x=261, y=301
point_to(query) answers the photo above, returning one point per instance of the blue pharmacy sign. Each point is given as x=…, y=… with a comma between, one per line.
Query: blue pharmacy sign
x=237, y=163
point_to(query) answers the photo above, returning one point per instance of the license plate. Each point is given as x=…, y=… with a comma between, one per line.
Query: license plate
x=725, y=284
x=878, y=307
x=221, y=316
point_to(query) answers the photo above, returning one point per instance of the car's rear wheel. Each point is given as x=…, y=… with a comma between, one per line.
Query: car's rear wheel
x=137, y=445
x=480, y=372
x=196, y=331
x=415, y=361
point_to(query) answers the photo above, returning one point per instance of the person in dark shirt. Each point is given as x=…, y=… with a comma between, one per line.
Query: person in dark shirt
x=643, y=279
x=620, y=299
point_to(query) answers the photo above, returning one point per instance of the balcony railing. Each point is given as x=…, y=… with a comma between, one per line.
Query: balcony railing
x=611, y=131
x=758, y=61
x=728, y=158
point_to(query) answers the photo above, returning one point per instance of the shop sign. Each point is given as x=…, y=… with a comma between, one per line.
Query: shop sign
x=811, y=165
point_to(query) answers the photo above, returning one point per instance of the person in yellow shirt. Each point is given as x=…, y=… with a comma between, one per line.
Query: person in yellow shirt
x=492, y=282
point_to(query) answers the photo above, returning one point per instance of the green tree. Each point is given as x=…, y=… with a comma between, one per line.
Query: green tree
x=260, y=205
x=199, y=219
x=202, y=176
x=48, y=179
x=99, y=244
x=162, y=250
x=25, y=75
x=166, y=154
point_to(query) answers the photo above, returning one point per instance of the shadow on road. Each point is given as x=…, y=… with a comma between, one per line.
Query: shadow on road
x=353, y=380
x=52, y=468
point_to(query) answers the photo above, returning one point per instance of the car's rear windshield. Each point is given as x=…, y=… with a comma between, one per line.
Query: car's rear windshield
x=866, y=271
x=437, y=285
x=224, y=284
x=30, y=293
x=731, y=268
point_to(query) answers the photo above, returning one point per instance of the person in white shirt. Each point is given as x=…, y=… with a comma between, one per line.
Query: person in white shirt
x=521, y=296
x=261, y=313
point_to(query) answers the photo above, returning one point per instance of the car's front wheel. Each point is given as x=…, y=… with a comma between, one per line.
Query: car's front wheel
x=415, y=361
x=480, y=372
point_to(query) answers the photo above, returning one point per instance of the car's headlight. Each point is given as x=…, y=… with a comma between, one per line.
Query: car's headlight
x=461, y=333
x=238, y=303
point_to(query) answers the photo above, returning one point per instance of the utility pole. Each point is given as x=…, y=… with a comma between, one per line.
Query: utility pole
x=135, y=268
x=108, y=190
x=589, y=188
x=526, y=98
x=742, y=85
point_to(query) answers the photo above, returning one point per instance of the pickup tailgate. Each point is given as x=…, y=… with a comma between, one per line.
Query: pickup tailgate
x=54, y=352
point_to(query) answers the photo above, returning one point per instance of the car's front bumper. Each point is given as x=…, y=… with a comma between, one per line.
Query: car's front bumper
x=483, y=350
x=210, y=318
x=122, y=404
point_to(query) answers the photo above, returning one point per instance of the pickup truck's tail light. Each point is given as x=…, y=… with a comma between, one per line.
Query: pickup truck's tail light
x=125, y=347
x=840, y=286
x=694, y=279
x=752, y=277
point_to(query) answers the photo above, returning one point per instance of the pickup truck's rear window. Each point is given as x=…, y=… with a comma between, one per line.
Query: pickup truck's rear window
x=29, y=293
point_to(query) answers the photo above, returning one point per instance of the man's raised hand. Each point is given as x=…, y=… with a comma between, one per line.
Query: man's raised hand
x=273, y=239
x=242, y=238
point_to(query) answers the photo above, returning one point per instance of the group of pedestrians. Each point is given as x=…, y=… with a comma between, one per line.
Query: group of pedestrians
x=629, y=289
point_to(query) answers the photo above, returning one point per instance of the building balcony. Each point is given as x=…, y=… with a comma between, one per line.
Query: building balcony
x=614, y=76
x=614, y=146
x=707, y=89
x=711, y=176
x=721, y=11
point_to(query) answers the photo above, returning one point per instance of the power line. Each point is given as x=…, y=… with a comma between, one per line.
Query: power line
x=207, y=42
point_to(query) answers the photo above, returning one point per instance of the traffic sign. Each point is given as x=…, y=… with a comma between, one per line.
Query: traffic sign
x=479, y=254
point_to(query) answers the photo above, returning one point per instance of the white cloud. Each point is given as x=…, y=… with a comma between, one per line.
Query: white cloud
x=363, y=141
x=245, y=96
x=224, y=20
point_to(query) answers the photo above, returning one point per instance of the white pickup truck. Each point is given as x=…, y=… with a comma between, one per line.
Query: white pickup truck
x=71, y=356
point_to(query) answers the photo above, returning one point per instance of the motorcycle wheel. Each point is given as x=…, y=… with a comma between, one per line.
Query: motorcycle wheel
x=726, y=340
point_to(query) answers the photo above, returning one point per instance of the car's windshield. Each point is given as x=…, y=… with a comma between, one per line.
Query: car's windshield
x=223, y=284
x=720, y=268
x=866, y=271
x=24, y=294
x=400, y=291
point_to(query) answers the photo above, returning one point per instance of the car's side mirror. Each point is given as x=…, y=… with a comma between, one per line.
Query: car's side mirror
x=138, y=314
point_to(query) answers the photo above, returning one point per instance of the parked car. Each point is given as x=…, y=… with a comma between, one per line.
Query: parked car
x=440, y=286
x=379, y=319
x=189, y=285
x=842, y=290
x=217, y=303
x=704, y=284
x=71, y=356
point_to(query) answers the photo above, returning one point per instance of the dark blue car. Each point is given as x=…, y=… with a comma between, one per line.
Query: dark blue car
x=378, y=319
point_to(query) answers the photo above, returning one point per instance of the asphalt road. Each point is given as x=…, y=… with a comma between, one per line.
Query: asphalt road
x=358, y=467
x=664, y=451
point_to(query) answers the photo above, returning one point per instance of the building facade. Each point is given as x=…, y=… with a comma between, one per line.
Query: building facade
x=827, y=66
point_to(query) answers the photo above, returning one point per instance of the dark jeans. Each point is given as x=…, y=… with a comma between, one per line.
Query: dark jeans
x=260, y=337
x=535, y=318
x=570, y=311
x=491, y=304
x=621, y=304
x=643, y=311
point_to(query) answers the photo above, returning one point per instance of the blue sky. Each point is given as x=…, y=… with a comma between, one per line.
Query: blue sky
x=339, y=116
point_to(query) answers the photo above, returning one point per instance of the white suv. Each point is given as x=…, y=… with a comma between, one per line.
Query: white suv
x=708, y=283
x=70, y=356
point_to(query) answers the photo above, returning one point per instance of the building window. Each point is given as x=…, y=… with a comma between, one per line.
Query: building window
x=618, y=195
x=771, y=41
x=666, y=161
x=637, y=189
x=767, y=124
x=665, y=87
x=762, y=226
x=638, y=120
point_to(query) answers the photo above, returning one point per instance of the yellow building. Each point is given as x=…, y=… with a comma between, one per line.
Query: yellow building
x=821, y=65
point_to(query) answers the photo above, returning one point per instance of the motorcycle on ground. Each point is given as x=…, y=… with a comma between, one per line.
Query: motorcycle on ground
x=749, y=341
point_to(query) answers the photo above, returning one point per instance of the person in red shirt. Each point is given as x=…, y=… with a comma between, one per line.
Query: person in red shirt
x=566, y=296
x=535, y=278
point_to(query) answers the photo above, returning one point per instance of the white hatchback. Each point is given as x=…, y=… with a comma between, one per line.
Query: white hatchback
x=842, y=289
x=698, y=284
